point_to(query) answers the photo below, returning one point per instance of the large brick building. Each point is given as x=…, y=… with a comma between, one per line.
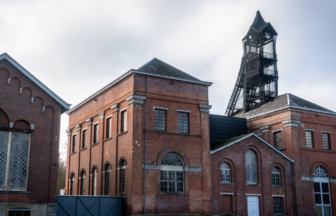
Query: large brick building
x=29, y=137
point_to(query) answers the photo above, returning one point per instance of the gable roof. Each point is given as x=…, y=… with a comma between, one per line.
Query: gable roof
x=282, y=102
x=65, y=105
x=156, y=68
x=229, y=142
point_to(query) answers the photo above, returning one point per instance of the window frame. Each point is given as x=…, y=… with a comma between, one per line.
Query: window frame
x=108, y=127
x=95, y=133
x=94, y=181
x=169, y=169
x=122, y=176
x=311, y=132
x=180, y=122
x=123, y=121
x=276, y=176
x=107, y=179
x=84, y=133
x=73, y=149
x=158, y=119
x=72, y=184
x=229, y=171
x=251, y=172
x=277, y=143
x=326, y=141
x=280, y=199
x=82, y=182
x=9, y=143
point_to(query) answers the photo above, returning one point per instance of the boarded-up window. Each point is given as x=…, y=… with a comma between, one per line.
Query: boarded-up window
x=226, y=204
x=278, y=140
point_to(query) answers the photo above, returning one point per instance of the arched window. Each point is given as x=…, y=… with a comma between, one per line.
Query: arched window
x=82, y=182
x=276, y=176
x=225, y=173
x=172, y=178
x=251, y=166
x=72, y=184
x=322, y=191
x=94, y=181
x=107, y=178
x=123, y=165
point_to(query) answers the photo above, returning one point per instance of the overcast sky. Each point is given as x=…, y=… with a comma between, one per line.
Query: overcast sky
x=76, y=47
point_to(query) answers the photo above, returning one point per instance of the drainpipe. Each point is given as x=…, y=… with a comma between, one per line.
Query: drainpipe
x=145, y=146
x=293, y=186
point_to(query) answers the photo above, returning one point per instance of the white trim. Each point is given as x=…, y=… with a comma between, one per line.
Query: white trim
x=309, y=130
x=74, y=134
x=259, y=195
x=84, y=129
x=187, y=111
x=326, y=132
x=123, y=109
x=172, y=168
x=277, y=131
x=156, y=107
x=109, y=116
x=95, y=123
x=247, y=136
x=223, y=193
x=65, y=105
x=275, y=195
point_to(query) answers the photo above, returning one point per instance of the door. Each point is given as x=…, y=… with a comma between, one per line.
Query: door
x=322, y=197
x=253, y=206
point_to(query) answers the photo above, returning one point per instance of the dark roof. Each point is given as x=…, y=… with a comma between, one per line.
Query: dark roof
x=158, y=67
x=282, y=102
x=225, y=127
x=259, y=25
x=223, y=143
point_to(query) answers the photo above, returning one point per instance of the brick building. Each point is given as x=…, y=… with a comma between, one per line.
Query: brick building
x=29, y=130
x=108, y=142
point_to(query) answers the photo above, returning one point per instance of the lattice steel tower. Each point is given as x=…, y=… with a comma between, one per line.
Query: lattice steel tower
x=257, y=81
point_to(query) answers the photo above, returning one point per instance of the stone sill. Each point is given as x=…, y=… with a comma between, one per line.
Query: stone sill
x=107, y=139
x=121, y=194
x=173, y=193
x=94, y=144
x=83, y=149
x=226, y=183
x=125, y=132
x=73, y=153
x=174, y=133
x=15, y=192
x=318, y=150
x=253, y=185
x=277, y=186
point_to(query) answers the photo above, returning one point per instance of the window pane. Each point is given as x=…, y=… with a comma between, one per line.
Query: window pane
x=108, y=127
x=319, y=211
x=123, y=121
x=277, y=205
x=164, y=175
x=107, y=183
x=327, y=211
x=172, y=159
x=179, y=176
x=318, y=199
x=251, y=167
x=95, y=133
x=84, y=139
x=172, y=186
x=325, y=188
x=171, y=175
x=326, y=199
x=183, y=122
x=317, y=187
x=73, y=143
x=164, y=186
x=325, y=137
x=309, y=139
x=17, y=171
x=277, y=139
x=179, y=186
x=160, y=119
x=3, y=156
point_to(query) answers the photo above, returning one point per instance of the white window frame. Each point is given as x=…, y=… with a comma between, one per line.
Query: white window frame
x=7, y=164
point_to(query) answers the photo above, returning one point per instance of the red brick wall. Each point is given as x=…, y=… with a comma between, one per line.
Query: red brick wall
x=267, y=159
x=42, y=176
x=294, y=146
x=193, y=147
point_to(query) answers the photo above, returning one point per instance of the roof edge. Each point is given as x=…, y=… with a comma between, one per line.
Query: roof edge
x=30, y=76
x=254, y=135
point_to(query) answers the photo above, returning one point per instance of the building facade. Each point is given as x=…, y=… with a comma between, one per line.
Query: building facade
x=154, y=120
x=29, y=132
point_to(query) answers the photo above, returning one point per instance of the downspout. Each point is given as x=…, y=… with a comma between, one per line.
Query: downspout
x=145, y=146
x=293, y=186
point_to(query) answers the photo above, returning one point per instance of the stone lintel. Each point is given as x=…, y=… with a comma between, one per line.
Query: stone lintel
x=69, y=132
x=89, y=121
x=204, y=107
x=78, y=127
x=115, y=107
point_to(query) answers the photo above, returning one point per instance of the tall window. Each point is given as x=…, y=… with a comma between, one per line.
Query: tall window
x=107, y=179
x=73, y=143
x=309, y=139
x=326, y=142
x=278, y=208
x=95, y=133
x=251, y=167
x=82, y=183
x=84, y=139
x=278, y=140
x=225, y=173
x=108, y=127
x=72, y=184
x=123, y=166
x=276, y=176
x=160, y=119
x=94, y=181
x=322, y=191
x=172, y=176
x=14, y=155
x=124, y=121
x=183, y=122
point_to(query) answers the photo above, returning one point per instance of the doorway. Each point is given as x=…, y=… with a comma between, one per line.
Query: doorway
x=253, y=206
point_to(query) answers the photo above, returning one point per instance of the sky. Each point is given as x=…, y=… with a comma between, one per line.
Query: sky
x=77, y=47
